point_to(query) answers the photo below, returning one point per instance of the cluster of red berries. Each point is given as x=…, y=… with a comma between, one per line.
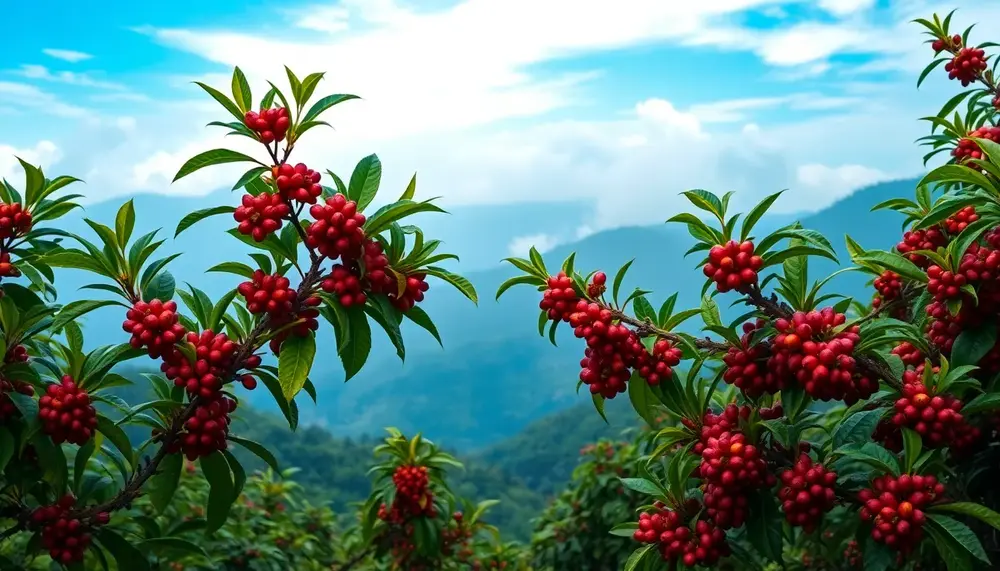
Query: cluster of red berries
x=941, y=44
x=305, y=319
x=207, y=429
x=910, y=355
x=559, y=300
x=895, y=507
x=889, y=285
x=772, y=412
x=853, y=554
x=943, y=327
x=270, y=294
x=658, y=365
x=376, y=265
x=967, y=148
x=346, y=285
x=936, y=418
x=16, y=354
x=154, y=326
x=299, y=183
x=8, y=269
x=66, y=413
x=213, y=357
x=807, y=493
x=923, y=239
x=943, y=284
x=64, y=537
x=980, y=264
x=270, y=124
x=733, y=266
x=14, y=221
x=730, y=467
x=338, y=229
x=746, y=365
x=612, y=349
x=260, y=216
x=960, y=220
x=821, y=360
x=966, y=66
x=7, y=408
x=413, y=292
x=676, y=541
x=413, y=494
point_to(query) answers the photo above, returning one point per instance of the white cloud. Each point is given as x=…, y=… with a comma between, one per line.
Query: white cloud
x=838, y=181
x=44, y=154
x=736, y=110
x=22, y=95
x=71, y=56
x=69, y=77
x=846, y=7
x=520, y=246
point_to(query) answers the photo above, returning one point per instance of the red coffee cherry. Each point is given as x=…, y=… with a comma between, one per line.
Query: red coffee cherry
x=895, y=507
x=338, y=229
x=16, y=354
x=269, y=294
x=701, y=544
x=980, y=264
x=733, y=266
x=345, y=285
x=207, y=429
x=7, y=408
x=889, y=285
x=14, y=221
x=154, y=326
x=746, y=365
x=852, y=554
x=936, y=418
x=269, y=124
x=260, y=216
x=306, y=316
x=299, y=183
x=772, y=412
x=967, y=148
x=807, y=493
x=559, y=299
x=214, y=355
x=731, y=466
x=966, y=66
x=66, y=413
x=413, y=494
x=943, y=284
x=924, y=239
x=65, y=538
x=413, y=293
x=612, y=349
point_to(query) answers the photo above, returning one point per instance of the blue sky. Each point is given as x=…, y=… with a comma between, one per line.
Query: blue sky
x=493, y=101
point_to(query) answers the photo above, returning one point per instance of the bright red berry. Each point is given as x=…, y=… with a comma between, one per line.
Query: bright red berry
x=966, y=66
x=807, y=493
x=338, y=229
x=154, y=326
x=299, y=183
x=559, y=299
x=923, y=239
x=214, y=354
x=207, y=429
x=7, y=408
x=14, y=221
x=260, y=216
x=66, y=413
x=733, y=266
x=746, y=365
x=967, y=148
x=677, y=540
x=269, y=294
x=269, y=124
x=894, y=506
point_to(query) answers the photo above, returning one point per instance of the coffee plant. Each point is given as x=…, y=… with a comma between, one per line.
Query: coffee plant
x=70, y=479
x=854, y=432
x=414, y=522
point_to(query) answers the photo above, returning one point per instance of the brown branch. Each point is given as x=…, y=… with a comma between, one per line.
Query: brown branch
x=646, y=329
x=350, y=563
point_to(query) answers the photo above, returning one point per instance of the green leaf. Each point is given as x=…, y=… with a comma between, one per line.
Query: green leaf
x=77, y=309
x=420, y=317
x=241, y=90
x=411, y=189
x=171, y=548
x=710, y=312
x=116, y=436
x=641, y=485
x=294, y=363
x=199, y=215
x=980, y=512
x=599, y=406
x=857, y=427
x=973, y=344
x=237, y=268
x=325, y=103
x=756, y=213
x=764, y=529
x=210, y=158
x=386, y=215
x=161, y=287
x=619, y=277
x=355, y=354
x=220, y=496
x=982, y=403
x=124, y=552
x=626, y=529
x=640, y=556
x=959, y=533
x=7, y=447
x=458, y=282
x=258, y=450
x=125, y=223
x=223, y=100
x=958, y=173
x=894, y=262
x=642, y=398
x=250, y=176
x=912, y=446
x=364, y=181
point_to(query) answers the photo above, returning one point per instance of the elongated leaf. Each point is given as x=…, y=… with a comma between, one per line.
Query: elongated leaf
x=960, y=534
x=458, y=282
x=420, y=317
x=857, y=427
x=894, y=262
x=364, y=181
x=355, y=354
x=210, y=158
x=77, y=309
x=294, y=363
x=756, y=213
x=973, y=344
x=325, y=103
x=124, y=552
x=199, y=215
x=980, y=512
x=116, y=436
x=223, y=100
x=220, y=496
x=241, y=90
x=642, y=398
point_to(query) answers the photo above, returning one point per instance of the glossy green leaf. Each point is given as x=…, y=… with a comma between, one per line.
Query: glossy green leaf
x=294, y=363
x=210, y=158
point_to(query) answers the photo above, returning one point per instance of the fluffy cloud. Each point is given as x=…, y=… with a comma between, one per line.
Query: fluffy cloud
x=71, y=56
x=72, y=78
x=520, y=246
x=45, y=153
